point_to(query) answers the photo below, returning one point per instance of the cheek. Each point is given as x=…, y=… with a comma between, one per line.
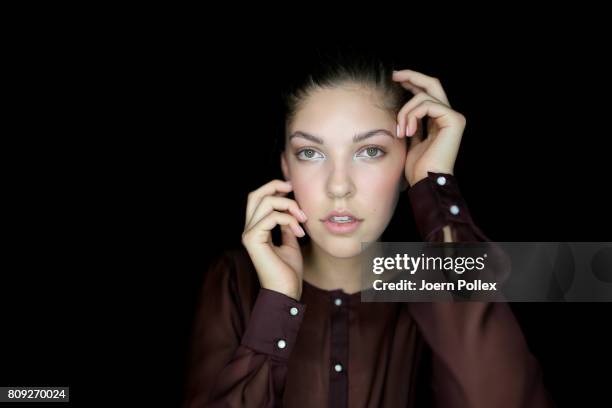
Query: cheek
x=306, y=190
x=380, y=186
x=384, y=178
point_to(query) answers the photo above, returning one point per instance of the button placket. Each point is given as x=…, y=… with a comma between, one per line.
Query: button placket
x=339, y=348
x=454, y=209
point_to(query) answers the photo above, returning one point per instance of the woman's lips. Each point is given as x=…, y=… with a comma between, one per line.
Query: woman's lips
x=341, y=227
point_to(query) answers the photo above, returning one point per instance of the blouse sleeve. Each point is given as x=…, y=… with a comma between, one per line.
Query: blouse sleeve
x=239, y=359
x=480, y=356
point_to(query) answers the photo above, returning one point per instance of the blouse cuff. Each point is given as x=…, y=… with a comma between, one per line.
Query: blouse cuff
x=436, y=202
x=274, y=324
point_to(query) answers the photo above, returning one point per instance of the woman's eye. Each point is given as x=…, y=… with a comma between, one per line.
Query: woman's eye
x=372, y=153
x=308, y=154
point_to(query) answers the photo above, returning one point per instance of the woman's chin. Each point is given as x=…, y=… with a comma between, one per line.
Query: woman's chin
x=342, y=247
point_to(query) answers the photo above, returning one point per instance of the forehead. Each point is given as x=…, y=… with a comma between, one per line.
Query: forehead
x=344, y=109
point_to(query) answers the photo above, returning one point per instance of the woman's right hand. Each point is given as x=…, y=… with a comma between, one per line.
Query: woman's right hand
x=279, y=268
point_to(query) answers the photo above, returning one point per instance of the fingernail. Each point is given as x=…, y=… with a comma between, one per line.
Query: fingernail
x=302, y=230
x=303, y=215
x=397, y=134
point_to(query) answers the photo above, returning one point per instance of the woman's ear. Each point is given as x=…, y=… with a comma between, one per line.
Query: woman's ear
x=285, y=167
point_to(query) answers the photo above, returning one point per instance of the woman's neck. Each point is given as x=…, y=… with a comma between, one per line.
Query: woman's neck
x=328, y=272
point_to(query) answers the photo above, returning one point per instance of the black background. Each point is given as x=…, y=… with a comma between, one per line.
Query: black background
x=131, y=157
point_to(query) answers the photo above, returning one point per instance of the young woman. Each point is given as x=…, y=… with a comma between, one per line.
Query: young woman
x=284, y=325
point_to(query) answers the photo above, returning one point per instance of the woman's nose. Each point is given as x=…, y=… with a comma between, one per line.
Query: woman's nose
x=340, y=184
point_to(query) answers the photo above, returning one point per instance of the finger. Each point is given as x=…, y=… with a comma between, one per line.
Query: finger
x=256, y=196
x=412, y=88
x=429, y=84
x=443, y=115
x=272, y=203
x=404, y=126
x=261, y=231
x=288, y=238
x=417, y=135
x=415, y=128
x=448, y=121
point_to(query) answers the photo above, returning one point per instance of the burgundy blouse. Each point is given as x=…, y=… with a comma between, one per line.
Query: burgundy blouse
x=254, y=347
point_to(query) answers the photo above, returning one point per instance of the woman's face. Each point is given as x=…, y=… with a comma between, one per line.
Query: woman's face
x=342, y=154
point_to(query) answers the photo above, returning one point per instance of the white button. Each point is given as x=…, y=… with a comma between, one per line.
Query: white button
x=441, y=180
x=338, y=368
x=454, y=209
x=338, y=302
x=281, y=344
x=294, y=311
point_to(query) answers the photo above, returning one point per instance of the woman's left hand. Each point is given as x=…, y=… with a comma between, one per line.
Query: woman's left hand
x=437, y=152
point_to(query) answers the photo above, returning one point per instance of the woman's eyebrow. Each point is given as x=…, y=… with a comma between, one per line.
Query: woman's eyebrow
x=361, y=136
x=306, y=136
x=357, y=138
